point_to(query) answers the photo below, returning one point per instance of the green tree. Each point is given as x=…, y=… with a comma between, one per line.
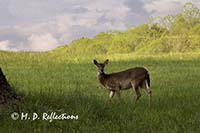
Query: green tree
x=191, y=14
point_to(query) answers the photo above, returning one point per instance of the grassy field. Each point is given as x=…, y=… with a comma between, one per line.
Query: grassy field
x=49, y=83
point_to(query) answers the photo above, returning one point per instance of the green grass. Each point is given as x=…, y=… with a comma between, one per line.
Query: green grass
x=69, y=85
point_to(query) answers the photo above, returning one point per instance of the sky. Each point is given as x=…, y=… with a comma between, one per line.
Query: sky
x=42, y=25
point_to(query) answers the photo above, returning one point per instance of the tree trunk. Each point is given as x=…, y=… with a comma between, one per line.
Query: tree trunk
x=7, y=93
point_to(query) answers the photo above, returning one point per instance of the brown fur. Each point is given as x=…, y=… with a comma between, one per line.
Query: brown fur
x=135, y=78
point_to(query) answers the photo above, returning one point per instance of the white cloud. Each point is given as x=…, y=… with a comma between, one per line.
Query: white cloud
x=42, y=42
x=6, y=45
x=41, y=25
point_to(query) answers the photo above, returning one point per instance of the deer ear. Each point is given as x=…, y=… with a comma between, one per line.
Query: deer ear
x=106, y=62
x=95, y=62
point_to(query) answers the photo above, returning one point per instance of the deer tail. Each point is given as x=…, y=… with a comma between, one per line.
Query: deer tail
x=148, y=78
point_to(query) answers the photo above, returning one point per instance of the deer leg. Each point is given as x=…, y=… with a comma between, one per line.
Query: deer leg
x=118, y=94
x=138, y=94
x=137, y=90
x=148, y=92
x=112, y=93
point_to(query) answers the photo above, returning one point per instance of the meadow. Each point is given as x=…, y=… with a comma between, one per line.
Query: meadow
x=48, y=83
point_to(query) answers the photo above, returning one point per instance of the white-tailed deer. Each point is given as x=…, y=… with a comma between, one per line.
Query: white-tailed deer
x=135, y=78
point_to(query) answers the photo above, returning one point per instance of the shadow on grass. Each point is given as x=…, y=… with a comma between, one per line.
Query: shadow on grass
x=94, y=112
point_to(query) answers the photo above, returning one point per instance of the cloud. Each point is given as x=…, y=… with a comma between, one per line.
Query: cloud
x=5, y=45
x=42, y=42
x=61, y=22
x=137, y=14
x=52, y=23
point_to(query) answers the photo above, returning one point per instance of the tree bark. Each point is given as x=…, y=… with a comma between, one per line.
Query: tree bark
x=7, y=93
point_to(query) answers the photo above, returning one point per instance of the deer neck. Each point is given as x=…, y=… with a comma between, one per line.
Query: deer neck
x=101, y=77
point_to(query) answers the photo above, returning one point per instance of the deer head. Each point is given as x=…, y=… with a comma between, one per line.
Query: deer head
x=100, y=66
